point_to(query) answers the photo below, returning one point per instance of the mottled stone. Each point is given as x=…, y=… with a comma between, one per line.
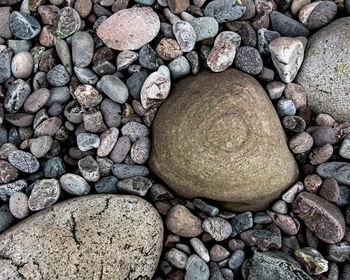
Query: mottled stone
x=114, y=88
x=312, y=259
x=7, y=172
x=185, y=35
x=338, y=170
x=82, y=49
x=126, y=171
x=5, y=63
x=44, y=194
x=224, y=10
x=87, y=96
x=196, y=268
x=18, y=205
x=137, y=185
x=287, y=26
x=24, y=161
x=16, y=95
x=217, y=227
x=24, y=26
x=66, y=23
x=6, y=190
x=167, y=153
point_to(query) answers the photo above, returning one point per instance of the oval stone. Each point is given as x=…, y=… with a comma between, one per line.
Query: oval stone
x=129, y=29
x=93, y=237
x=324, y=73
x=234, y=152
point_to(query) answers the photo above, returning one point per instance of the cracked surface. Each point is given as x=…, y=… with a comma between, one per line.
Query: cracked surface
x=91, y=237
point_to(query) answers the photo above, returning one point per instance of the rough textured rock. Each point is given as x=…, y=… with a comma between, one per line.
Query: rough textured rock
x=208, y=153
x=324, y=74
x=94, y=237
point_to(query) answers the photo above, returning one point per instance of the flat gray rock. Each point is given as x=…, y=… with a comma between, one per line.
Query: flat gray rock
x=340, y=171
x=93, y=237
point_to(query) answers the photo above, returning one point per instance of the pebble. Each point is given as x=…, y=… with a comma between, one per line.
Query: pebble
x=205, y=27
x=297, y=5
x=339, y=252
x=301, y=143
x=236, y=259
x=344, y=150
x=125, y=59
x=18, y=46
x=179, y=67
x=279, y=207
x=103, y=67
x=54, y=168
x=140, y=150
x=121, y=149
x=44, y=194
x=196, y=268
x=200, y=249
x=86, y=75
x=321, y=154
x=58, y=76
x=312, y=260
x=48, y=13
x=181, y=221
x=107, y=184
x=224, y=10
x=154, y=90
x=129, y=29
x=287, y=26
x=275, y=89
x=134, y=130
x=93, y=121
x=185, y=35
x=296, y=93
x=7, y=172
x=218, y=253
x=87, y=96
x=6, y=218
x=222, y=54
x=16, y=96
x=114, y=88
x=241, y=223
x=285, y=107
x=87, y=141
x=217, y=227
x=176, y=258
x=320, y=15
x=248, y=35
x=286, y=223
x=58, y=95
x=137, y=185
x=24, y=161
x=5, y=31
x=323, y=218
x=66, y=23
x=178, y=6
x=18, y=205
x=266, y=239
x=322, y=135
x=24, y=26
x=265, y=37
x=22, y=65
x=312, y=182
x=344, y=198
x=287, y=56
x=205, y=207
x=135, y=82
x=248, y=60
x=6, y=190
x=111, y=112
x=82, y=49
x=48, y=127
x=108, y=139
x=74, y=184
x=126, y=171
x=36, y=100
x=40, y=146
x=89, y=169
x=148, y=58
x=262, y=218
x=5, y=63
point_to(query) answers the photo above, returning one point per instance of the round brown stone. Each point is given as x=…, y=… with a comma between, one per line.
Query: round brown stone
x=218, y=136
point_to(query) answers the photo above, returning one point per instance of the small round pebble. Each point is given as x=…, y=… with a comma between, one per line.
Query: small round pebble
x=248, y=60
x=140, y=150
x=148, y=58
x=286, y=107
x=107, y=184
x=58, y=76
x=22, y=65
x=114, y=88
x=44, y=194
x=236, y=259
x=121, y=149
x=82, y=49
x=24, y=161
x=89, y=169
x=74, y=184
x=176, y=258
x=40, y=146
x=185, y=35
x=134, y=130
x=87, y=141
x=217, y=227
x=200, y=249
x=54, y=168
x=179, y=67
x=18, y=205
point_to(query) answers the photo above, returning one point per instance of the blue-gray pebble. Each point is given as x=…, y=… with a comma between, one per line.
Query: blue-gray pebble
x=107, y=185
x=125, y=171
x=241, y=223
x=205, y=207
x=54, y=168
x=114, y=88
x=179, y=67
x=74, y=184
x=224, y=10
x=286, y=107
x=287, y=26
x=5, y=63
x=205, y=27
x=196, y=269
x=24, y=26
x=344, y=198
x=148, y=58
x=236, y=259
x=58, y=76
x=135, y=83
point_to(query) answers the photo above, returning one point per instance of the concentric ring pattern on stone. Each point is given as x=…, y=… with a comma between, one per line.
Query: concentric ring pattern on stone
x=218, y=136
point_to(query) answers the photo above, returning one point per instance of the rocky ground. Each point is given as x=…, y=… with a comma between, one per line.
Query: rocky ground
x=81, y=83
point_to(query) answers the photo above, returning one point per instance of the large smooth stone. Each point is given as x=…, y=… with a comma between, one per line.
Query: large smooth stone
x=92, y=237
x=218, y=136
x=325, y=71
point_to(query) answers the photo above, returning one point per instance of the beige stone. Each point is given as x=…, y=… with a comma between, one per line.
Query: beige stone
x=91, y=237
x=218, y=136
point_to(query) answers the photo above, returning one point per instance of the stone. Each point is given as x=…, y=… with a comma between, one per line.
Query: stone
x=66, y=23
x=166, y=151
x=344, y=150
x=54, y=168
x=86, y=75
x=135, y=82
x=119, y=32
x=87, y=96
x=111, y=112
x=129, y=244
x=179, y=67
x=266, y=239
x=224, y=10
x=241, y=223
x=5, y=31
x=108, y=139
x=265, y=37
x=217, y=227
x=140, y=150
x=335, y=169
x=185, y=35
x=323, y=218
x=107, y=185
x=248, y=60
x=24, y=161
x=322, y=135
x=297, y=5
x=126, y=171
x=312, y=183
x=22, y=65
x=205, y=27
x=89, y=169
x=36, y=100
x=64, y=54
x=321, y=15
x=178, y=6
x=287, y=26
x=48, y=13
x=7, y=172
x=148, y=58
x=137, y=185
x=5, y=63
x=40, y=146
x=262, y=218
x=176, y=258
x=58, y=76
x=286, y=223
x=114, y=88
x=296, y=93
x=182, y=222
x=222, y=54
x=121, y=149
x=248, y=35
x=339, y=252
x=6, y=218
x=205, y=207
x=287, y=56
x=44, y=194
x=24, y=26
x=274, y=266
x=18, y=205
x=87, y=141
x=301, y=143
x=325, y=59
x=74, y=184
x=196, y=268
x=280, y=207
x=312, y=260
x=125, y=59
x=83, y=7
x=6, y=190
x=134, y=130
x=16, y=96
x=200, y=249
x=82, y=49
x=48, y=127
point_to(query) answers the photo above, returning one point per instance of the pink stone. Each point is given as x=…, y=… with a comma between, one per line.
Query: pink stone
x=129, y=29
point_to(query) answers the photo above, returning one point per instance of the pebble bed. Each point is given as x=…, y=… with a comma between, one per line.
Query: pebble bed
x=80, y=84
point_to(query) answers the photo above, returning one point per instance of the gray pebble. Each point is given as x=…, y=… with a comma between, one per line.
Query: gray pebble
x=206, y=207
x=322, y=135
x=287, y=26
x=241, y=223
x=111, y=113
x=87, y=141
x=193, y=59
x=134, y=83
x=183, y=247
x=344, y=198
x=58, y=76
x=114, y=88
x=89, y=169
x=82, y=49
x=5, y=63
x=24, y=161
x=140, y=150
x=54, y=168
x=107, y=185
x=262, y=218
x=6, y=218
x=196, y=269
x=146, y=2
x=86, y=75
x=63, y=53
x=248, y=60
x=125, y=59
x=58, y=95
x=16, y=96
x=134, y=130
x=200, y=249
x=18, y=46
x=205, y=27
x=344, y=150
x=179, y=67
x=24, y=26
x=224, y=10
x=286, y=107
x=3, y=135
x=338, y=252
x=137, y=185
x=121, y=149
x=103, y=67
x=227, y=273
x=280, y=207
x=18, y=205
x=185, y=35
x=265, y=37
x=105, y=166
x=74, y=184
x=322, y=14
x=148, y=58
x=217, y=227
x=6, y=190
x=40, y=146
x=340, y=171
x=66, y=23
x=294, y=123
x=126, y=171
x=215, y=272
x=248, y=35
x=236, y=259
x=44, y=194
x=176, y=258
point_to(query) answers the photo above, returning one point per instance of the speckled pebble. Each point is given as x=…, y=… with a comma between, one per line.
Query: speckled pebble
x=44, y=194
x=196, y=269
x=179, y=67
x=224, y=10
x=126, y=171
x=18, y=205
x=74, y=184
x=24, y=161
x=217, y=227
x=87, y=141
x=185, y=35
x=137, y=185
x=248, y=60
x=67, y=22
x=24, y=26
x=134, y=131
x=58, y=76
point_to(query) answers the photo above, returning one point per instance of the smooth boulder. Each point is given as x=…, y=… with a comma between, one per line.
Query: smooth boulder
x=218, y=136
x=325, y=71
x=92, y=237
